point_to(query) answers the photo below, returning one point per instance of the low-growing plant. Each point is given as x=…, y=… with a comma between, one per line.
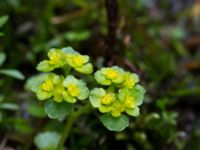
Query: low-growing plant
x=117, y=95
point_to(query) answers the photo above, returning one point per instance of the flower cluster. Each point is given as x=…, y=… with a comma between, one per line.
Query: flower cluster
x=66, y=57
x=122, y=95
x=58, y=87
x=117, y=76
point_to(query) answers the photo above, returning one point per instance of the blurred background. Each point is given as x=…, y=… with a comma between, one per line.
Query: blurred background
x=159, y=40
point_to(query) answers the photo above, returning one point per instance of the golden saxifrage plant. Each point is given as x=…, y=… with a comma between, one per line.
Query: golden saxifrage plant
x=117, y=96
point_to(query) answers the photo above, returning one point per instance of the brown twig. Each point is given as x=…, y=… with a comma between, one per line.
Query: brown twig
x=66, y=17
x=111, y=40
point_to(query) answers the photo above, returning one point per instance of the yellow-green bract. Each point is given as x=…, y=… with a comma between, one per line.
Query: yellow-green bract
x=126, y=100
x=107, y=76
x=75, y=89
x=116, y=75
x=59, y=89
x=123, y=94
x=66, y=57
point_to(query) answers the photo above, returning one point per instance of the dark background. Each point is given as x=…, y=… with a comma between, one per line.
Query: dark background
x=159, y=40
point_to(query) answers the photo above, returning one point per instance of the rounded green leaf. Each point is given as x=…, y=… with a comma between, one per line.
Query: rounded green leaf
x=138, y=91
x=84, y=91
x=133, y=112
x=68, y=98
x=95, y=96
x=33, y=82
x=115, y=123
x=70, y=80
x=41, y=95
x=87, y=68
x=101, y=79
x=56, y=110
x=104, y=109
x=47, y=140
x=44, y=66
x=69, y=50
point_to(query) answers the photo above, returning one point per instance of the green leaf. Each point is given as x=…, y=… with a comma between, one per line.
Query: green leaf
x=77, y=35
x=15, y=4
x=69, y=50
x=43, y=95
x=47, y=140
x=36, y=110
x=87, y=68
x=95, y=95
x=115, y=123
x=3, y=20
x=33, y=82
x=162, y=103
x=2, y=58
x=101, y=79
x=58, y=110
x=44, y=66
x=13, y=73
x=21, y=125
x=9, y=106
x=133, y=112
x=139, y=92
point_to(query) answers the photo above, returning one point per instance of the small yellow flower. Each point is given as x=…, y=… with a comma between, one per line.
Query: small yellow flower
x=47, y=85
x=78, y=60
x=102, y=100
x=117, y=109
x=107, y=99
x=73, y=90
x=54, y=58
x=130, y=79
x=129, y=102
x=111, y=74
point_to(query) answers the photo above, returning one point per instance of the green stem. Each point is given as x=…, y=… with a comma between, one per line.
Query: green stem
x=70, y=121
x=67, y=70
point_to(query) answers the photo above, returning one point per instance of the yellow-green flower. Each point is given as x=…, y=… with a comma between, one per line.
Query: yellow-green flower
x=131, y=99
x=56, y=60
x=127, y=100
x=45, y=89
x=102, y=100
x=66, y=57
x=74, y=89
x=109, y=75
x=79, y=62
x=130, y=79
x=117, y=109
x=58, y=91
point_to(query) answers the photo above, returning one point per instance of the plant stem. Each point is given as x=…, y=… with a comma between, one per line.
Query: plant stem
x=67, y=70
x=71, y=119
